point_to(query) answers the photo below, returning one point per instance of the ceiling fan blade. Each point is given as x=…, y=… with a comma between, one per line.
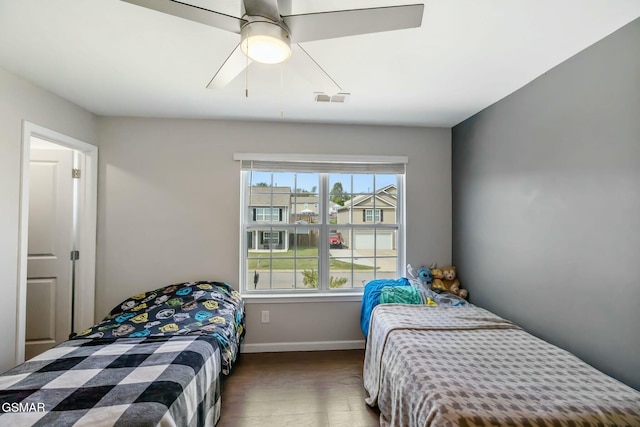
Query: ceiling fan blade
x=234, y=65
x=329, y=25
x=303, y=63
x=193, y=13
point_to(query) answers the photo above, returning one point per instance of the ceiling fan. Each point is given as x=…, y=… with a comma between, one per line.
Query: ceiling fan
x=268, y=37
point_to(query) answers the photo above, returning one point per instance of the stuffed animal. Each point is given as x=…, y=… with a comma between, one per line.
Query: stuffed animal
x=424, y=274
x=437, y=284
x=451, y=283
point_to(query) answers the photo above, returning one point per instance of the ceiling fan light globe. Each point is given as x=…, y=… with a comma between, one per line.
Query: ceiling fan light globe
x=266, y=49
x=265, y=41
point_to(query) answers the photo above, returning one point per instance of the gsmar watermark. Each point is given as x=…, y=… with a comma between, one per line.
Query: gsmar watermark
x=8, y=407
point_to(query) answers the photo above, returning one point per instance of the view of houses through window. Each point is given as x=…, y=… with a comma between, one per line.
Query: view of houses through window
x=326, y=231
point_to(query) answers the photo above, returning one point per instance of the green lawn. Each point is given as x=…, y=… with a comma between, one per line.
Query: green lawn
x=284, y=261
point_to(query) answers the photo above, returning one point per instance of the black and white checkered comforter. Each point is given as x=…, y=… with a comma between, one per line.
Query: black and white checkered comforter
x=167, y=381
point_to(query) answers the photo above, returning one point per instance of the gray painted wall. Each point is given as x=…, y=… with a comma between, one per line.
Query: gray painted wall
x=169, y=208
x=21, y=100
x=546, y=205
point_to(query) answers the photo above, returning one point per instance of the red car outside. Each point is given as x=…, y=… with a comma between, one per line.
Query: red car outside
x=335, y=241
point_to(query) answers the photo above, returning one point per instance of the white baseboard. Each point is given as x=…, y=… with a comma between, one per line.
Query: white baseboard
x=302, y=346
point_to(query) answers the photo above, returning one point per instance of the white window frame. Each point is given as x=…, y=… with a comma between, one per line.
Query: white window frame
x=323, y=292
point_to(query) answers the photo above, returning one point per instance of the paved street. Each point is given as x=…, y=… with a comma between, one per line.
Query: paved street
x=284, y=279
x=365, y=257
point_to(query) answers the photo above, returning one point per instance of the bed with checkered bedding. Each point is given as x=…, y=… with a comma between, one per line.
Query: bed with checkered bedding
x=153, y=381
x=190, y=308
x=155, y=359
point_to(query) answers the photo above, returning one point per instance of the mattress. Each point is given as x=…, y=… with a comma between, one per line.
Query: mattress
x=155, y=359
x=446, y=366
x=191, y=308
x=169, y=381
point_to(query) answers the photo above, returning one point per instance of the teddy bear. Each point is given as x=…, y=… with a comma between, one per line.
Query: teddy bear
x=437, y=284
x=451, y=283
x=424, y=274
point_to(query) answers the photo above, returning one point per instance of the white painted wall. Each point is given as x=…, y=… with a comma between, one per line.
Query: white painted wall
x=21, y=100
x=169, y=202
x=169, y=208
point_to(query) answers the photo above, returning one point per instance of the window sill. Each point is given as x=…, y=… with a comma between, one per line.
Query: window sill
x=250, y=298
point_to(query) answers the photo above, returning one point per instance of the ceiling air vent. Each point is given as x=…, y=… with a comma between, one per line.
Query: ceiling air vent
x=340, y=97
x=321, y=97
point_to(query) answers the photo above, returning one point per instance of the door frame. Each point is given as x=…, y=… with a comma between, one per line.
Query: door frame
x=86, y=232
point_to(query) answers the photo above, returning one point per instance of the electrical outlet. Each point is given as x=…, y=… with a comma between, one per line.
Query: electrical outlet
x=265, y=317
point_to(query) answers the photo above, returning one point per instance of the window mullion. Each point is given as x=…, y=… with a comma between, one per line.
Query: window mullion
x=271, y=231
x=375, y=230
x=294, y=215
x=400, y=219
x=244, y=243
x=323, y=240
x=351, y=222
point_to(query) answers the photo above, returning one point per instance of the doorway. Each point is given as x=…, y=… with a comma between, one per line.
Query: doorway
x=58, y=200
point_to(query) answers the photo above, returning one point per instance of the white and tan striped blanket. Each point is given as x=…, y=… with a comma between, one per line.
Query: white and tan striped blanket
x=450, y=366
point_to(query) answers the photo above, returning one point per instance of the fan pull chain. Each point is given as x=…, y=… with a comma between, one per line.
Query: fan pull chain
x=246, y=72
x=281, y=91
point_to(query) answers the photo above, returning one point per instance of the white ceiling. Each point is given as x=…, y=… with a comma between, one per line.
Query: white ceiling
x=117, y=59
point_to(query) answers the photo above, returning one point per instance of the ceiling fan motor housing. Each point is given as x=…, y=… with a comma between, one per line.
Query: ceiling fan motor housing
x=265, y=41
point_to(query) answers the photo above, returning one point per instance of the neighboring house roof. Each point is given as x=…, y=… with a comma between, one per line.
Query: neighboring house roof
x=270, y=196
x=303, y=198
x=304, y=204
x=385, y=197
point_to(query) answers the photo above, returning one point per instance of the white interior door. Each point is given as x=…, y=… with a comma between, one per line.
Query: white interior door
x=48, y=313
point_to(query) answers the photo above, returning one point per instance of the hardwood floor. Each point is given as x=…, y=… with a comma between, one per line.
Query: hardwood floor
x=314, y=389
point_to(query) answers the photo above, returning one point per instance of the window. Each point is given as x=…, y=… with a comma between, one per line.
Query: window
x=267, y=215
x=369, y=216
x=270, y=237
x=354, y=232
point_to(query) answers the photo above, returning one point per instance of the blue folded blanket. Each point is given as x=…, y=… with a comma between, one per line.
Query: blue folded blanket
x=371, y=298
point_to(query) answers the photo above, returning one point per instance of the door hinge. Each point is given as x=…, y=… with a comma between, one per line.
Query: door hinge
x=75, y=255
x=75, y=173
